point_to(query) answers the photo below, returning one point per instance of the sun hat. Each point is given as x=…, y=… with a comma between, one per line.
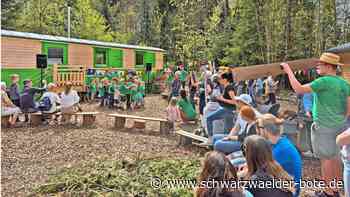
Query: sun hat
x=245, y=98
x=330, y=58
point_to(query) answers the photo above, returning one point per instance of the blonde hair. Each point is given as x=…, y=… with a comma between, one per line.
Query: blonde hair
x=173, y=101
x=273, y=124
x=51, y=87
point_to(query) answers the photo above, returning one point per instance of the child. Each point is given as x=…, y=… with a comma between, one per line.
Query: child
x=172, y=113
x=132, y=91
x=111, y=91
x=103, y=91
x=93, y=89
x=13, y=91
x=139, y=96
x=175, y=86
x=116, y=95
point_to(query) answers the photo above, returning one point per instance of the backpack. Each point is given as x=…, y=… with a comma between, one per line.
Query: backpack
x=45, y=104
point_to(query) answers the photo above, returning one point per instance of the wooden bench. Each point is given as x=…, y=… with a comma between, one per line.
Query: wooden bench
x=187, y=138
x=37, y=118
x=88, y=117
x=120, y=120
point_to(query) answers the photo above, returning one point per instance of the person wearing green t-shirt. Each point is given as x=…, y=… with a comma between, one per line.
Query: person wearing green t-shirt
x=187, y=112
x=330, y=111
x=93, y=89
x=183, y=76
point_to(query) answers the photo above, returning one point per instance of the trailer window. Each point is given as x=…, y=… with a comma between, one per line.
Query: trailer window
x=139, y=58
x=101, y=57
x=54, y=56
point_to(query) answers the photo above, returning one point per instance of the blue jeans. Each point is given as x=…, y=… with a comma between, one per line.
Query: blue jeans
x=221, y=113
x=346, y=177
x=225, y=146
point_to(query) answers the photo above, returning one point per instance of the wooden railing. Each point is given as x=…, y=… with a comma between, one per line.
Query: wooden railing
x=73, y=73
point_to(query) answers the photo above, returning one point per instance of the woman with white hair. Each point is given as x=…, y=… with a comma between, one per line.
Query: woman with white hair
x=7, y=107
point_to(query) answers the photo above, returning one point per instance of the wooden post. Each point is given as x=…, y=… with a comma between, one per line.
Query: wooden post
x=185, y=141
x=5, y=121
x=88, y=119
x=140, y=124
x=165, y=127
x=36, y=119
x=119, y=122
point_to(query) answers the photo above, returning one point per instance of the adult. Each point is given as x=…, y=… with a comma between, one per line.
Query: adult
x=28, y=104
x=52, y=96
x=216, y=167
x=7, y=107
x=271, y=86
x=330, y=111
x=214, y=90
x=343, y=140
x=259, y=87
x=261, y=167
x=227, y=103
x=187, y=112
x=283, y=150
x=245, y=125
x=192, y=86
x=69, y=102
x=175, y=86
x=13, y=91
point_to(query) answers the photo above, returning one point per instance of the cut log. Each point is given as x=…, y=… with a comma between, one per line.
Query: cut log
x=165, y=127
x=5, y=121
x=119, y=122
x=140, y=124
x=36, y=119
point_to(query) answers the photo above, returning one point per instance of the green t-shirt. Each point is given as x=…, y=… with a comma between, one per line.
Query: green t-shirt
x=187, y=108
x=123, y=89
x=330, y=101
x=93, y=88
x=183, y=75
x=111, y=88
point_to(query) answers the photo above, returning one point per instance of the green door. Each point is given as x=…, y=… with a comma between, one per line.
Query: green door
x=149, y=57
x=115, y=58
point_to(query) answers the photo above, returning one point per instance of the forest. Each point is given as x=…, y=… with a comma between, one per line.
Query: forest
x=242, y=32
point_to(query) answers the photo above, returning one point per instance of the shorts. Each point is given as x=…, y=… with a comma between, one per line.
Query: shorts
x=323, y=141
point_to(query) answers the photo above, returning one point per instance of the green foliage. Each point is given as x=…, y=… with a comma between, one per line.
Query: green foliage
x=122, y=178
x=41, y=16
x=87, y=23
x=242, y=32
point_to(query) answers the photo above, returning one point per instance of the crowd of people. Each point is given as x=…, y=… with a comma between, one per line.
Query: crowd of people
x=15, y=102
x=114, y=91
x=111, y=91
x=250, y=144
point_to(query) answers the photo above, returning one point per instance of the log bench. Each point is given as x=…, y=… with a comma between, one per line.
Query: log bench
x=88, y=117
x=187, y=138
x=120, y=120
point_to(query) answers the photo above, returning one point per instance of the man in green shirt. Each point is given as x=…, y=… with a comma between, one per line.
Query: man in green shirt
x=330, y=111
